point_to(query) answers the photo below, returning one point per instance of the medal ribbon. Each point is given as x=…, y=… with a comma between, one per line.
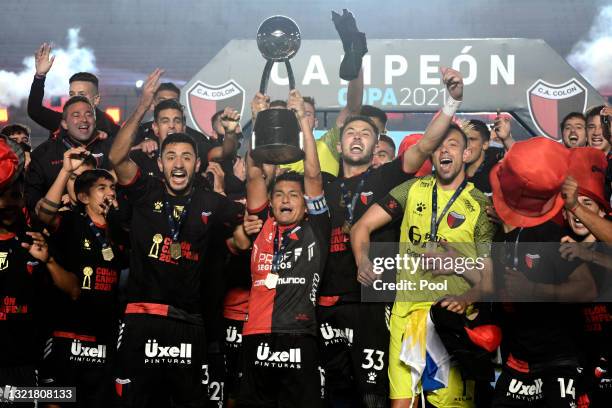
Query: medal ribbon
x=435, y=221
x=279, y=250
x=175, y=225
x=98, y=234
x=349, y=201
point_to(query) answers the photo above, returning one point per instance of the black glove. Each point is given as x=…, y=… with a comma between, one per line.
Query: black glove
x=353, y=42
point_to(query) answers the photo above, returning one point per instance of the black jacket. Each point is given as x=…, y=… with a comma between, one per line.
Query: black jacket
x=51, y=120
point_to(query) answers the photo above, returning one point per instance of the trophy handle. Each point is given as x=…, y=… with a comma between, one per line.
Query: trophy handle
x=265, y=76
x=290, y=75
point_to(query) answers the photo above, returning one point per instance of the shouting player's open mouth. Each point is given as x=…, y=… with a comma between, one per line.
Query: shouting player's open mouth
x=178, y=177
x=446, y=163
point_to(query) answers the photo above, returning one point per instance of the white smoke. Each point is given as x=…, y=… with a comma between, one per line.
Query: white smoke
x=15, y=86
x=593, y=57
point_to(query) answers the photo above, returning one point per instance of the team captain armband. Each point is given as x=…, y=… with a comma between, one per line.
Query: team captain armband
x=316, y=205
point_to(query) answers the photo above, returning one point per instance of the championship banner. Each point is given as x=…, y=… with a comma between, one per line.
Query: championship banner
x=522, y=76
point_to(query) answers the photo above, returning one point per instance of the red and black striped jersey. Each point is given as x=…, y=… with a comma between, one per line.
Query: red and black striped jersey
x=290, y=306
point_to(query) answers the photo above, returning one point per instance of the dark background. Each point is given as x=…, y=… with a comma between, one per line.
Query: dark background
x=131, y=37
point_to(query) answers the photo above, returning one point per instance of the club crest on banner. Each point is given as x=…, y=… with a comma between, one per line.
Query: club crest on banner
x=550, y=103
x=204, y=100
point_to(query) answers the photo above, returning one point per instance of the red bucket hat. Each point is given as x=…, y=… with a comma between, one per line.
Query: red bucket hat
x=588, y=166
x=407, y=143
x=527, y=183
x=9, y=164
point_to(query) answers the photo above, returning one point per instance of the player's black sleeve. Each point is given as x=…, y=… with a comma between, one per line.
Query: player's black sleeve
x=45, y=117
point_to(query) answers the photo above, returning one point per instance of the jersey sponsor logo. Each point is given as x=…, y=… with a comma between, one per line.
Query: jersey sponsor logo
x=454, y=219
x=366, y=197
x=158, y=206
x=519, y=390
x=332, y=335
x=203, y=100
x=414, y=234
x=87, y=244
x=4, y=263
x=314, y=288
x=532, y=260
x=264, y=261
x=311, y=251
x=549, y=103
x=233, y=337
x=156, y=354
x=371, y=377
x=81, y=353
x=267, y=357
x=291, y=280
x=204, y=216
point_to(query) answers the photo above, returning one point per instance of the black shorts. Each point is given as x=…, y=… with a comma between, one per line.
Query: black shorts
x=354, y=340
x=216, y=375
x=161, y=359
x=598, y=378
x=16, y=376
x=73, y=360
x=232, y=348
x=552, y=388
x=281, y=370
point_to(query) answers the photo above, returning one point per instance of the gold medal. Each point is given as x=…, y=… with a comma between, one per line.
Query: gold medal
x=175, y=250
x=107, y=254
x=346, y=227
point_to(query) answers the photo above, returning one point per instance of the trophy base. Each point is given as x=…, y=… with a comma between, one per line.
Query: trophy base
x=277, y=154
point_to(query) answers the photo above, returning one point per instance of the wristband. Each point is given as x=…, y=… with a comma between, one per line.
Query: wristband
x=450, y=106
x=37, y=76
x=51, y=203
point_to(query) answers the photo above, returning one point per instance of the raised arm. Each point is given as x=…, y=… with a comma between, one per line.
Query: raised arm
x=64, y=280
x=45, y=117
x=230, y=119
x=119, y=154
x=48, y=206
x=415, y=157
x=257, y=194
x=313, y=181
x=354, y=98
x=600, y=227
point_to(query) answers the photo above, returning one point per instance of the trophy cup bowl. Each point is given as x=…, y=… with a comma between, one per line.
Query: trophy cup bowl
x=277, y=138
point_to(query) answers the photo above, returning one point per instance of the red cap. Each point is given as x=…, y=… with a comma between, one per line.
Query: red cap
x=527, y=183
x=588, y=166
x=409, y=141
x=8, y=164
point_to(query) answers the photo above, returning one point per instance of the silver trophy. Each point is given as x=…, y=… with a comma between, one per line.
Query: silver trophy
x=276, y=135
